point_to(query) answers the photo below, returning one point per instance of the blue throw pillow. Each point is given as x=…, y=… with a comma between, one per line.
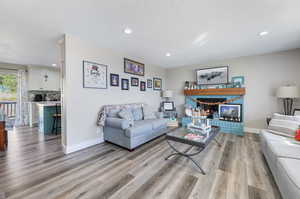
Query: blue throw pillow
x=113, y=113
x=137, y=114
x=126, y=114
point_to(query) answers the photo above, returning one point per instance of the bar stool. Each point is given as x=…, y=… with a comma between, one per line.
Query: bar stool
x=56, y=119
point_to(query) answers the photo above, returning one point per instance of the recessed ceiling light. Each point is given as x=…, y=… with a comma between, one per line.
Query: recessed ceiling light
x=54, y=65
x=168, y=54
x=263, y=33
x=127, y=31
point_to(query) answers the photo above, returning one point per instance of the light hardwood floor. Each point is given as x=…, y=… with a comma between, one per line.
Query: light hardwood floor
x=35, y=167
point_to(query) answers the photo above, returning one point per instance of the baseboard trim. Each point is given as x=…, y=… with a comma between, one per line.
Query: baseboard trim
x=80, y=146
x=251, y=130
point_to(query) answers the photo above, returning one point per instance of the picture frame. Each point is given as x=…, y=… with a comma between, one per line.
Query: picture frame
x=231, y=112
x=134, y=81
x=238, y=81
x=134, y=67
x=114, y=79
x=168, y=106
x=296, y=112
x=143, y=86
x=94, y=75
x=212, y=76
x=157, y=84
x=125, y=84
x=149, y=83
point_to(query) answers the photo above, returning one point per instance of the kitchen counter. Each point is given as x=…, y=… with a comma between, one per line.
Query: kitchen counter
x=46, y=119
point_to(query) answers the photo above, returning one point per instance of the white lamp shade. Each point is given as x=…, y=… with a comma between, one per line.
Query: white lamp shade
x=288, y=92
x=167, y=93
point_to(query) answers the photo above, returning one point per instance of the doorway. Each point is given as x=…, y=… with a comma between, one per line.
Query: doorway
x=9, y=95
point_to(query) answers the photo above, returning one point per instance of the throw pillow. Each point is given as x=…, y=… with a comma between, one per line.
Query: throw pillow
x=113, y=113
x=148, y=113
x=285, y=126
x=137, y=114
x=286, y=117
x=127, y=115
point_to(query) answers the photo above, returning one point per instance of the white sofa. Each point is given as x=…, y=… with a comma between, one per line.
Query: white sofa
x=283, y=157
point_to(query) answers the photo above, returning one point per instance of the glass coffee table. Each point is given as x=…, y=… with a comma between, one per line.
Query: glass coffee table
x=184, y=136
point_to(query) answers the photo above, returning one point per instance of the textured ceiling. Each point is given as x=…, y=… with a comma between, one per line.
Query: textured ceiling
x=193, y=31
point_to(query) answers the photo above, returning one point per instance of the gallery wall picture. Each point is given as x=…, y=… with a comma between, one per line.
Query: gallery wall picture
x=94, y=75
x=114, y=79
x=143, y=86
x=157, y=84
x=149, y=83
x=134, y=67
x=134, y=81
x=125, y=84
x=216, y=75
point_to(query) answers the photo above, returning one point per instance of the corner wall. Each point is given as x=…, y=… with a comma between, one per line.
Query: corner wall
x=263, y=75
x=82, y=104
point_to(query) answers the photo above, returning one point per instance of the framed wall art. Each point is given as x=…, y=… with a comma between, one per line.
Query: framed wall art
x=157, y=84
x=209, y=76
x=134, y=81
x=143, y=86
x=114, y=79
x=149, y=83
x=134, y=67
x=230, y=112
x=94, y=75
x=125, y=84
x=238, y=81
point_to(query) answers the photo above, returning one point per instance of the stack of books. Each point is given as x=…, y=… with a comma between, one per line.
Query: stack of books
x=195, y=137
x=172, y=123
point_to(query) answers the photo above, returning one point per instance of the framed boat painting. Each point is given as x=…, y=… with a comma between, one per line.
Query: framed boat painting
x=94, y=75
x=210, y=76
x=133, y=67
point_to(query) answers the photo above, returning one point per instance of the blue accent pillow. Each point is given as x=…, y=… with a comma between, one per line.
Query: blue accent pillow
x=126, y=114
x=137, y=114
x=113, y=113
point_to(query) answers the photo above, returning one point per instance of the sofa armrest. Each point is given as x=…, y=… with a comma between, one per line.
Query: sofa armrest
x=159, y=115
x=117, y=123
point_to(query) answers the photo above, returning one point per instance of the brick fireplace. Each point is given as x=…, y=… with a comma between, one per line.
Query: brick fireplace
x=217, y=95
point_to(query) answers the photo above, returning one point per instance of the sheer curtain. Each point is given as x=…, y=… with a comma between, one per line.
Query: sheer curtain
x=22, y=117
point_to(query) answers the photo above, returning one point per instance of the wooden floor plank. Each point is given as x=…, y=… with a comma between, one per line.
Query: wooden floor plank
x=35, y=167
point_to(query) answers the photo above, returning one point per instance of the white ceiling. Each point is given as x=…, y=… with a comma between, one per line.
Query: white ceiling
x=193, y=31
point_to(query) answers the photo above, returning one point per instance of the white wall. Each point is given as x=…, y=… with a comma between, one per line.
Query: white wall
x=82, y=104
x=36, y=78
x=263, y=74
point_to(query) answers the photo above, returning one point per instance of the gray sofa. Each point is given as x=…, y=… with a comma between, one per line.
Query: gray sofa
x=283, y=157
x=123, y=133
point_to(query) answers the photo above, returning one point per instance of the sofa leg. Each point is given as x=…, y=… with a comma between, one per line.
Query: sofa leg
x=130, y=150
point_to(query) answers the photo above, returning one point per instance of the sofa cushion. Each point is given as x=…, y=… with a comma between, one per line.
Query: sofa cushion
x=267, y=135
x=286, y=117
x=148, y=113
x=289, y=177
x=137, y=113
x=157, y=123
x=284, y=149
x=126, y=114
x=117, y=123
x=285, y=126
x=139, y=129
x=113, y=113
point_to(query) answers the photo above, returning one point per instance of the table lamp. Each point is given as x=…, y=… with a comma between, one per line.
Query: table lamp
x=167, y=94
x=288, y=94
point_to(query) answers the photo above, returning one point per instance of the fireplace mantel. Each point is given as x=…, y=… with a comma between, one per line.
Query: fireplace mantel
x=216, y=91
